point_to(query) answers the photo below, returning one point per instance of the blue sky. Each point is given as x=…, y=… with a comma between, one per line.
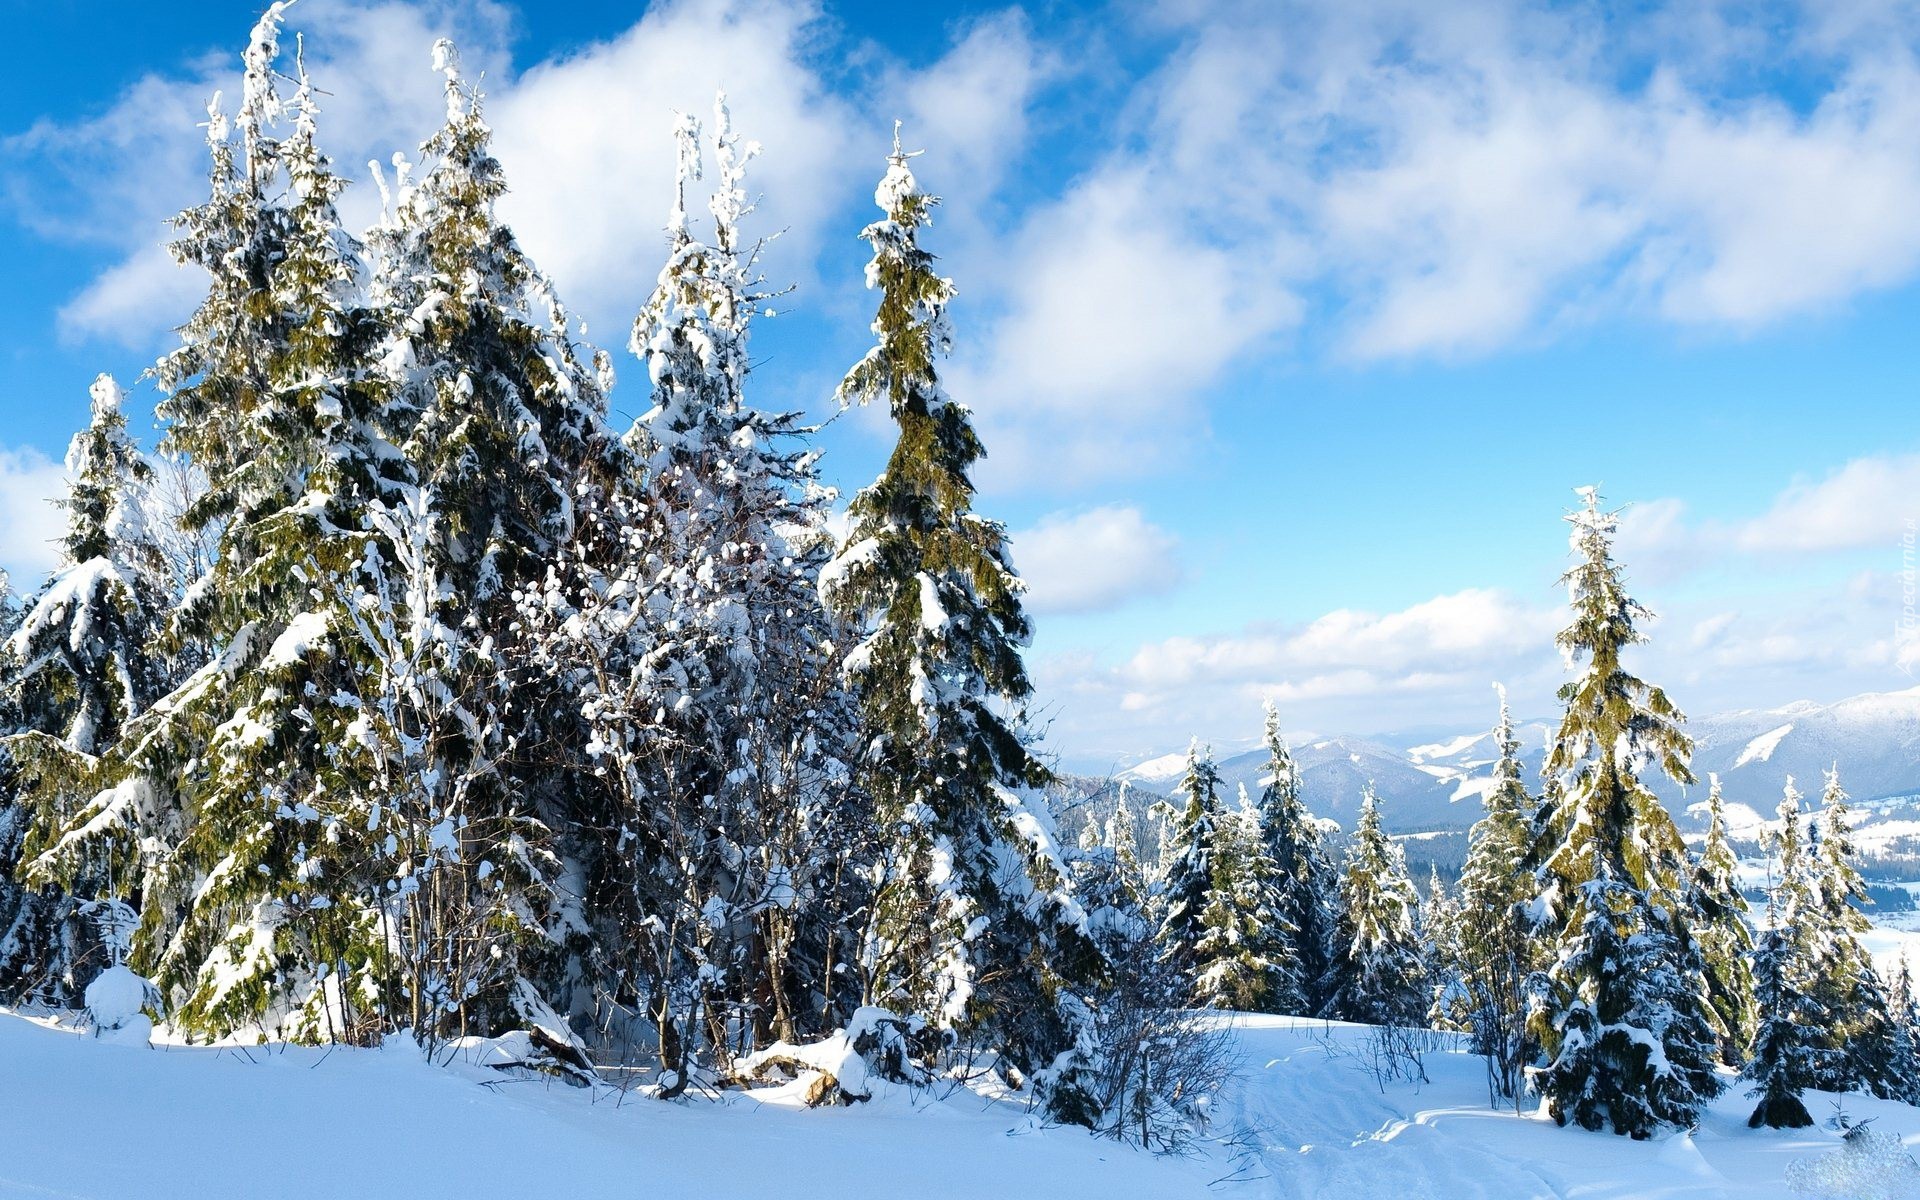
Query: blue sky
x=1289, y=326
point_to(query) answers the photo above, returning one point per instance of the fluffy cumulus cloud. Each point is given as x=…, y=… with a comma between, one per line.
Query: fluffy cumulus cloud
x=1394, y=180
x=1346, y=651
x=29, y=521
x=1093, y=560
x=1381, y=179
x=603, y=117
x=585, y=139
x=1346, y=671
x=1427, y=667
x=114, y=179
x=1866, y=504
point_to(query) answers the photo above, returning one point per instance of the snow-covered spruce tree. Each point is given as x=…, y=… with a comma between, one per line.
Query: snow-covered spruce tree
x=267, y=919
x=1384, y=980
x=1788, y=1044
x=1243, y=954
x=1307, y=882
x=972, y=925
x=1187, y=864
x=1440, y=951
x=32, y=920
x=227, y=744
x=1859, y=1032
x=1903, y=1012
x=85, y=663
x=1720, y=926
x=1494, y=947
x=1439, y=925
x=1121, y=838
x=1781, y=1065
x=500, y=417
x=1621, y=1013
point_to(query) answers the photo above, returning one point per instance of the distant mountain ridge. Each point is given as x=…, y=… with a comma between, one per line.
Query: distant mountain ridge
x=1429, y=782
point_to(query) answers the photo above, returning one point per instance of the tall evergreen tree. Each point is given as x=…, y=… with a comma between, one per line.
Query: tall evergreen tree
x=1494, y=937
x=1242, y=958
x=500, y=416
x=33, y=921
x=1726, y=943
x=1306, y=882
x=246, y=905
x=1782, y=1063
x=1859, y=1031
x=972, y=925
x=1121, y=837
x=1187, y=862
x=84, y=664
x=274, y=927
x=1787, y=1053
x=1903, y=1013
x=1621, y=1016
x=1385, y=979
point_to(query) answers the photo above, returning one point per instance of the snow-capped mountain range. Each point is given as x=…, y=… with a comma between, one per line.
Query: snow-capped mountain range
x=1427, y=782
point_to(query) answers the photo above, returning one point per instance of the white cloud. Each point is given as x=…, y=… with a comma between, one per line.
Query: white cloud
x=971, y=111
x=1419, y=180
x=1346, y=671
x=587, y=144
x=1094, y=560
x=1403, y=179
x=29, y=521
x=1474, y=630
x=116, y=178
x=130, y=301
x=1867, y=502
x=1118, y=319
x=1429, y=664
x=585, y=139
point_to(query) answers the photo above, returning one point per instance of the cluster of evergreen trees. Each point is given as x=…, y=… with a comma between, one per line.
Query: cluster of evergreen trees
x=444, y=706
x=480, y=714
x=1591, y=956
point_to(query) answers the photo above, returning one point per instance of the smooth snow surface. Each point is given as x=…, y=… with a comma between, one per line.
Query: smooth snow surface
x=84, y=1118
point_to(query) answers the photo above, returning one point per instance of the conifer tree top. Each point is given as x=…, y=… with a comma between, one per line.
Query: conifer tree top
x=1615, y=725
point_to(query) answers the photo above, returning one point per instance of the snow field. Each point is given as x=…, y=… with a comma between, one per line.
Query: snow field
x=89, y=1118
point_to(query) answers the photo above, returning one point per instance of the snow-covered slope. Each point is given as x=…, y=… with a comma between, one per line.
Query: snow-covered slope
x=83, y=1118
x=1435, y=780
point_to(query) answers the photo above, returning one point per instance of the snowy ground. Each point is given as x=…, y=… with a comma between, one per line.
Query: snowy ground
x=82, y=1118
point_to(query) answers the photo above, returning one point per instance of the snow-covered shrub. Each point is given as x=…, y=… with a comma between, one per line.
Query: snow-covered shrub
x=1157, y=1065
x=1871, y=1165
x=876, y=1044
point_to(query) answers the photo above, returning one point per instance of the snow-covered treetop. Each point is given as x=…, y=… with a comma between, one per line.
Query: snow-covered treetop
x=446, y=60
x=686, y=169
x=901, y=367
x=897, y=188
x=692, y=333
x=260, y=105
x=729, y=203
x=105, y=499
x=1601, y=821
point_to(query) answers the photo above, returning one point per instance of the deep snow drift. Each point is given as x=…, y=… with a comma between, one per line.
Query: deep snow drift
x=80, y=1117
